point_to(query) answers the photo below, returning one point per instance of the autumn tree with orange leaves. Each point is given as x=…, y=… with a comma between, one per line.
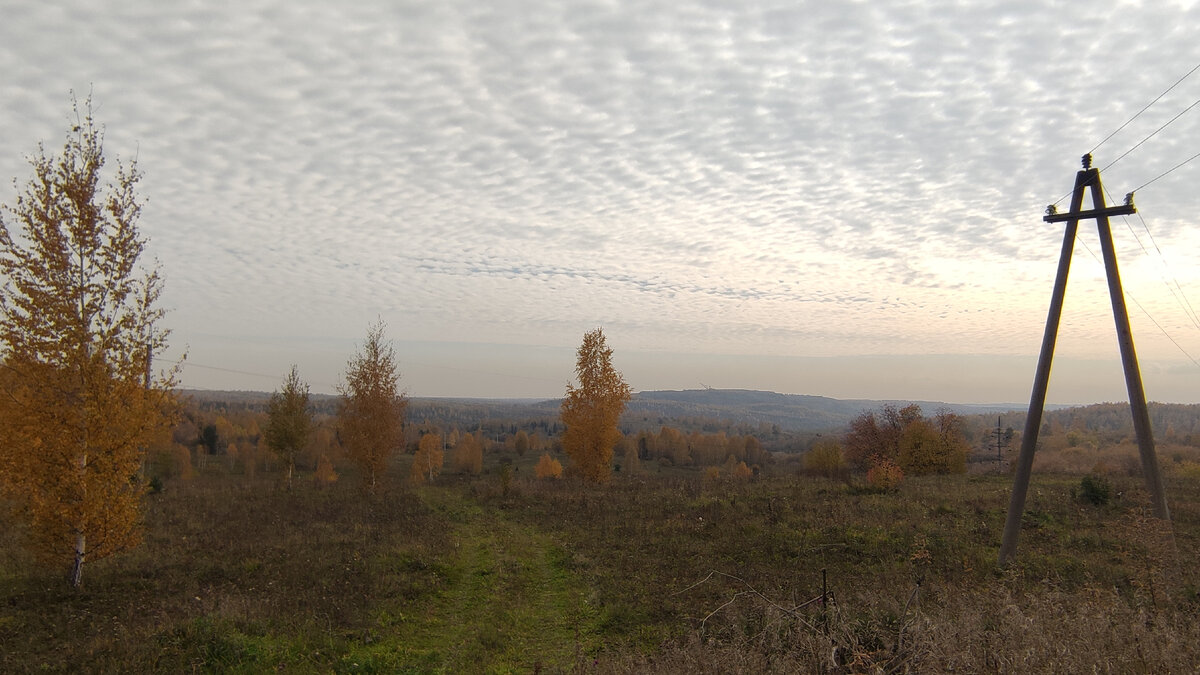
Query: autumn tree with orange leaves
x=79, y=323
x=372, y=409
x=590, y=411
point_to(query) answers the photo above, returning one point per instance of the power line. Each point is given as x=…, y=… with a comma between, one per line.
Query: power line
x=1135, y=116
x=1152, y=134
x=1186, y=161
x=192, y=364
x=1165, y=271
x=1186, y=304
x=1156, y=98
x=188, y=363
x=1127, y=294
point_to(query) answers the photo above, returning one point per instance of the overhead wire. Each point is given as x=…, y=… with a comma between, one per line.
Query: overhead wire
x=1147, y=107
x=1139, y=143
x=1168, y=171
x=1165, y=272
x=1180, y=297
x=1152, y=134
x=1134, y=300
x=1176, y=290
x=192, y=364
x=1189, y=310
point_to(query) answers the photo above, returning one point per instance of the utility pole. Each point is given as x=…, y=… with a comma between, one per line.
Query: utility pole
x=1087, y=179
x=1002, y=441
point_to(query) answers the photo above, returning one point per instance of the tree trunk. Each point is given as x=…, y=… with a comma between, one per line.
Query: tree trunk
x=80, y=553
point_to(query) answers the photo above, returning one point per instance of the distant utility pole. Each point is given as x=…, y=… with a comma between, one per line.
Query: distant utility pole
x=1088, y=178
x=1002, y=441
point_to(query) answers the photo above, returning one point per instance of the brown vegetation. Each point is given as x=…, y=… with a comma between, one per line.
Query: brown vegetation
x=917, y=444
x=657, y=570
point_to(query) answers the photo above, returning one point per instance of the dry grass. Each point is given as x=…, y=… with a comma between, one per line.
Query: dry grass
x=620, y=578
x=230, y=572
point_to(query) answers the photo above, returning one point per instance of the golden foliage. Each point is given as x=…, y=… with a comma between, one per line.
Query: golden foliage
x=181, y=462
x=674, y=444
x=371, y=413
x=741, y=471
x=427, y=463
x=590, y=411
x=548, y=467
x=78, y=325
x=325, y=475
x=884, y=474
x=632, y=463
x=825, y=457
x=468, y=454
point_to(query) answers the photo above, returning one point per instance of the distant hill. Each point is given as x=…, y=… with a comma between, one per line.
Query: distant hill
x=793, y=412
x=648, y=409
x=651, y=409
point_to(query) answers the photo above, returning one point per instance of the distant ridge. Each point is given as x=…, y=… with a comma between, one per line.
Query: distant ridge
x=796, y=412
x=790, y=412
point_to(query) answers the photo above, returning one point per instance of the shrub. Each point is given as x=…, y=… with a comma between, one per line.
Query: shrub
x=1094, y=490
x=742, y=472
x=825, y=458
x=325, y=475
x=1187, y=469
x=547, y=467
x=884, y=474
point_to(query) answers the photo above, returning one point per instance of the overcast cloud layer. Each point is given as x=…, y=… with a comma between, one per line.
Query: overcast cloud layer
x=742, y=194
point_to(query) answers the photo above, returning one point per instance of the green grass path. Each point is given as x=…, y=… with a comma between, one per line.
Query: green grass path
x=508, y=603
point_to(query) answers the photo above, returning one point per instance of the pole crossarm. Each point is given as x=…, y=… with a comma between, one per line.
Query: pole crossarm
x=1122, y=210
x=1085, y=180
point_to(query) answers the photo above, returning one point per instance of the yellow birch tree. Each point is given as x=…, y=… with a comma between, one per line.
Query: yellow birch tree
x=548, y=467
x=427, y=463
x=372, y=409
x=590, y=411
x=468, y=454
x=79, y=324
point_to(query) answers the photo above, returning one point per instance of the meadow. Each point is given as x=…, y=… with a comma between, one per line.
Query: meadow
x=662, y=570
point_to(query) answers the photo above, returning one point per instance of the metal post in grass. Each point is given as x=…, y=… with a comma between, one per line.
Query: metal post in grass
x=1088, y=178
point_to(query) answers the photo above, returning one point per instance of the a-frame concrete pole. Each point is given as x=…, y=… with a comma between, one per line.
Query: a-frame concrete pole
x=1037, y=400
x=1088, y=178
x=1133, y=375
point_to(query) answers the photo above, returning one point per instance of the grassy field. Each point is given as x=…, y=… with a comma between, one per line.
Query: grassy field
x=655, y=572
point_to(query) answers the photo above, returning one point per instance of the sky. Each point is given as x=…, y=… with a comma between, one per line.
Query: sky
x=832, y=198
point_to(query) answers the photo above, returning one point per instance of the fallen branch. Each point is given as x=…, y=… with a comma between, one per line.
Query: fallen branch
x=750, y=590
